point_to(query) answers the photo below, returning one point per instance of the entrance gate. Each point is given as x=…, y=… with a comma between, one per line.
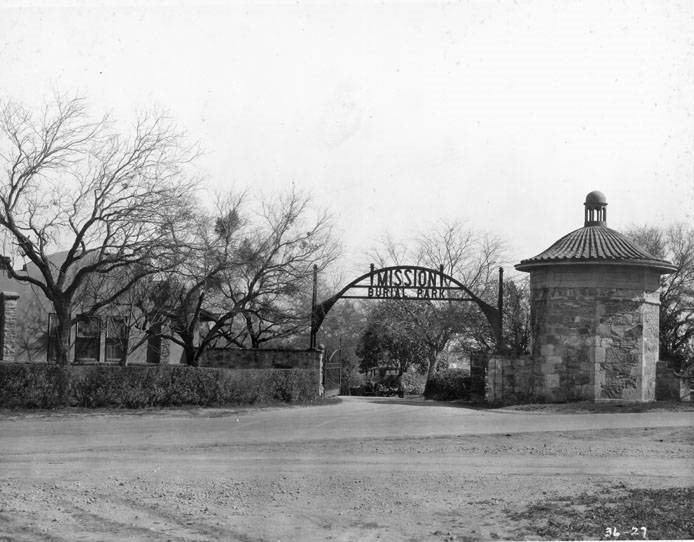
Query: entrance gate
x=332, y=377
x=407, y=283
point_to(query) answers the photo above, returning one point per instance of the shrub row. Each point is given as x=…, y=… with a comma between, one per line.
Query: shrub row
x=413, y=383
x=448, y=385
x=138, y=386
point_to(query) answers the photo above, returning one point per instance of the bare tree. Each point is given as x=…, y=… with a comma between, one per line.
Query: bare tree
x=32, y=329
x=516, y=321
x=270, y=284
x=340, y=335
x=245, y=278
x=471, y=256
x=467, y=254
x=676, y=244
x=112, y=203
x=464, y=253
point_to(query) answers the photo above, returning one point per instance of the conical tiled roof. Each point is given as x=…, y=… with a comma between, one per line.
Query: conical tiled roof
x=595, y=243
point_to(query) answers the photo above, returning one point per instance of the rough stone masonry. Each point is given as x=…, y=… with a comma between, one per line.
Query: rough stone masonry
x=594, y=319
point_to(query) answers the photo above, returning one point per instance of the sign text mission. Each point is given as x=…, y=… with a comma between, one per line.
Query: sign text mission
x=407, y=283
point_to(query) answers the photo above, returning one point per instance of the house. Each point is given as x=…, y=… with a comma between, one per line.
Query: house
x=110, y=336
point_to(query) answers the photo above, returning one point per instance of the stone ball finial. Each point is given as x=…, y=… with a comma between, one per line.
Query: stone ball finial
x=596, y=198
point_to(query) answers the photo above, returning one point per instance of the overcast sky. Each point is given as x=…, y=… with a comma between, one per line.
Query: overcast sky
x=504, y=114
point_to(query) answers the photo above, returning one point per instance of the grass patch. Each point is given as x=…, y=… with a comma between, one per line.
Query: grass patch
x=19, y=413
x=603, y=407
x=665, y=513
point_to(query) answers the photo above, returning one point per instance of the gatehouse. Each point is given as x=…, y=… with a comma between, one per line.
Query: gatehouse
x=594, y=319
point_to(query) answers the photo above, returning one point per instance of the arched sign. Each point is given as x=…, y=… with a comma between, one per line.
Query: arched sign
x=407, y=283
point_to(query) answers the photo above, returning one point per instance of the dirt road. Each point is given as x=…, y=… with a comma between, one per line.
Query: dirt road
x=361, y=469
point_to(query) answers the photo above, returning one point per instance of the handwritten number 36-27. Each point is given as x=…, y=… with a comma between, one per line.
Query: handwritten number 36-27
x=613, y=532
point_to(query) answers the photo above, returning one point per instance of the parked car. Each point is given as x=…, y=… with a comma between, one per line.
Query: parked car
x=381, y=381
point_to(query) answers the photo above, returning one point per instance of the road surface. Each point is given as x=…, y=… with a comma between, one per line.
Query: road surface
x=360, y=469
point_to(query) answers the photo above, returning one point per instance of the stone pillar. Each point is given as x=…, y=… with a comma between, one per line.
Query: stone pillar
x=595, y=332
x=8, y=325
x=320, y=351
x=493, y=392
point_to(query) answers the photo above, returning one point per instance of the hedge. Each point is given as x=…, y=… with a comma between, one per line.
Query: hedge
x=448, y=385
x=138, y=386
x=413, y=383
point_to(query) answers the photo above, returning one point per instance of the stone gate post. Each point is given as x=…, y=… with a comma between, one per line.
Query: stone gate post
x=594, y=313
x=8, y=325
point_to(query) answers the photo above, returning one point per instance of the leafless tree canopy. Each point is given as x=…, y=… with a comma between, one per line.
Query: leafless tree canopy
x=246, y=277
x=111, y=203
x=469, y=255
x=466, y=254
x=676, y=244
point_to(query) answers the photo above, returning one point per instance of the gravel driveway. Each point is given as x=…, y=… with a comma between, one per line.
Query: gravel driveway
x=360, y=469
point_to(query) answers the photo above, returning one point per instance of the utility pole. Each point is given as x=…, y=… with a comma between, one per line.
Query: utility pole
x=314, y=303
x=500, y=308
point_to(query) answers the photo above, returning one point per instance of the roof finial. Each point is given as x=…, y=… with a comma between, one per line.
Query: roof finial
x=595, y=212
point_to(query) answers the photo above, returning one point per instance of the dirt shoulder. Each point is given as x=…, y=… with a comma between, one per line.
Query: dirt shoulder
x=160, y=479
x=604, y=407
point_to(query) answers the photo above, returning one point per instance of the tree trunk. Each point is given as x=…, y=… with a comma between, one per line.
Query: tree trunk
x=431, y=367
x=62, y=343
x=123, y=361
x=190, y=353
x=189, y=348
x=251, y=332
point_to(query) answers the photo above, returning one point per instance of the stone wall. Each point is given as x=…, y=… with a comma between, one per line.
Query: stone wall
x=595, y=332
x=237, y=358
x=670, y=387
x=511, y=379
x=519, y=379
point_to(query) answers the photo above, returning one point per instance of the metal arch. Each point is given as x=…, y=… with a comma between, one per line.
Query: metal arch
x=320, y=310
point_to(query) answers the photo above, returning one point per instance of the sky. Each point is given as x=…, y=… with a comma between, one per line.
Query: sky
x=395, y=115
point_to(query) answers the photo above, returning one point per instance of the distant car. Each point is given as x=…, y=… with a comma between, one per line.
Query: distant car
x=381, y=381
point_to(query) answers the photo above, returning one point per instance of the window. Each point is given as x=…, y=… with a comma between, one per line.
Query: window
x=116, y=338
x=88, y=332
x=87, y=339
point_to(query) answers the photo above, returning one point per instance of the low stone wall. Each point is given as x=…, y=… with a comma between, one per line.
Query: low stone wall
x=511, y=379
x=669, y=387
x=523, y=379
x=239, y=358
